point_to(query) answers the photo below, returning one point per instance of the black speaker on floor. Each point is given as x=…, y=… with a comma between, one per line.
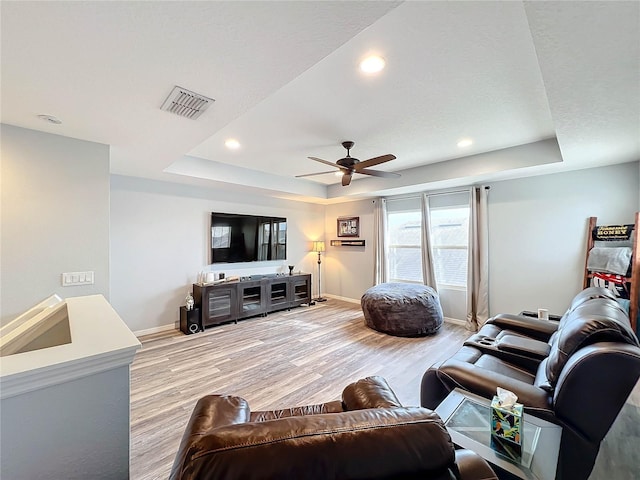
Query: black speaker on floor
x=190, y=321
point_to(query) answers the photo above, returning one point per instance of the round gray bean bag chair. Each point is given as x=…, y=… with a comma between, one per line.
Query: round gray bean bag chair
x=402, y=309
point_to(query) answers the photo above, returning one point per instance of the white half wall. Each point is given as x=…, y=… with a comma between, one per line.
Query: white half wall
x=54, y=210
x=64, y=409
x=160, y=241
x=77, y=429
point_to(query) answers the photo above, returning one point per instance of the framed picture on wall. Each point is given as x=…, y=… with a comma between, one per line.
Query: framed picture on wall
x=349, y=226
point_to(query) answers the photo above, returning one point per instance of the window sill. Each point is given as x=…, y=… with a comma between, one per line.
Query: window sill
x=457, y=288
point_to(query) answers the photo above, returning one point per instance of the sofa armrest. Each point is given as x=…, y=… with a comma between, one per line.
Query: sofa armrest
x=215, y=410
x=529, y=313
x=483, y=382
x=210, y=412
x=472, y=466
x=532, y=327
x=523, y=345
x=594, y=385
x=370, y=392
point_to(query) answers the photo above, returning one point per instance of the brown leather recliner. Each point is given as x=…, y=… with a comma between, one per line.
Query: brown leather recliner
x=580, y=380
x=367, y=435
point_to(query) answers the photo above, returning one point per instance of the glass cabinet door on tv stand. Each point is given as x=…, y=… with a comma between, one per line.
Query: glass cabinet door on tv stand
x=278, y=293
x=252, y=299
x=218, y=305
x=300, y=290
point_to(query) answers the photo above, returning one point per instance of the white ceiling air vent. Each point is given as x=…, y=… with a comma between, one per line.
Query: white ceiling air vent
x=186, y=103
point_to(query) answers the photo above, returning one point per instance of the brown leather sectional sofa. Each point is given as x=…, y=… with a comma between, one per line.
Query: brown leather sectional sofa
x=576, y=372
x=367, y=435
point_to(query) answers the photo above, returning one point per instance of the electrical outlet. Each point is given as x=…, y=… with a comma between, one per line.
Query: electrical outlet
x=77, y=278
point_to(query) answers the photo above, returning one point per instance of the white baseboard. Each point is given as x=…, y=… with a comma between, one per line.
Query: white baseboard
x=163, y=328
x=455, y=321
x=344, y=299
x=176, y=326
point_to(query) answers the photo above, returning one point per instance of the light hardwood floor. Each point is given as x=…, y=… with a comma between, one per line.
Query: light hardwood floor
x=298, y=357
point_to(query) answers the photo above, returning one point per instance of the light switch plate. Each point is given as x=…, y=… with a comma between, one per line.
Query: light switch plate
x=77, y=278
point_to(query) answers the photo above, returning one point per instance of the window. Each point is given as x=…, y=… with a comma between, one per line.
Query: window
x=272, y=237
x=221, y=237
x=449, y=233
x=450, y=244
x=264, y=237
x=405, y=258
x=280, y=232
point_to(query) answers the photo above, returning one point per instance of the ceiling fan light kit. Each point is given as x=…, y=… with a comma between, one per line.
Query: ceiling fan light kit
x=349, y=165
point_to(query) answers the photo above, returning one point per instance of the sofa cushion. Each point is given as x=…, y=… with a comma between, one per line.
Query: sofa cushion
x=590, y=293
x=541, y=380
x=589, y=323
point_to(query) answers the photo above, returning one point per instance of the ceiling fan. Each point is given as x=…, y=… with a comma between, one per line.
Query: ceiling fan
x=349, y=165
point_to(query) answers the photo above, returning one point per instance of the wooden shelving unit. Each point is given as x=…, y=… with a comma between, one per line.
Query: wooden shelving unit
x=633, y=280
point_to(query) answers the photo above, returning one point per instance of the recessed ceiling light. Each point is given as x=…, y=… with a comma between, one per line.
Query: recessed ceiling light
x=465, y=142
x=50, y=119
x=232, y=144
x=372, y=64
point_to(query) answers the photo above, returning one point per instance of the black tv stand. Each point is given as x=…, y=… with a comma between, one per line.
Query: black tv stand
x=250, y=296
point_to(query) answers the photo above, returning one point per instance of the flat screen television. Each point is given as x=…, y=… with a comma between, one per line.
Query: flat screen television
x=247, y=238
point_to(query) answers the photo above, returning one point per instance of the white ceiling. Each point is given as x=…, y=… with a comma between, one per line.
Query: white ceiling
x=539, y=86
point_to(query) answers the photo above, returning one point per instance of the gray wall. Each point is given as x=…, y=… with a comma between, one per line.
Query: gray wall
x=55, y=217
x=160, y=241
x=348, y=271
x=537, y=230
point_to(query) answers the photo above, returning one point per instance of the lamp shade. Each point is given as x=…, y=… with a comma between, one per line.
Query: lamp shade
x=318, y=247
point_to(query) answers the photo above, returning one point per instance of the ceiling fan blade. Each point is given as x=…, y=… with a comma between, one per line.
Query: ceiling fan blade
x=312, y=174
x=326, y=162
x=346, y=179
x=373, y=161
x=377, y=173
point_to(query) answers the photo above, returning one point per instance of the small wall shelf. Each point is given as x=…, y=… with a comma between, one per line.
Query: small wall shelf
x=347, y=243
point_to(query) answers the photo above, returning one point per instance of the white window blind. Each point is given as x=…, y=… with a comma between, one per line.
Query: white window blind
x=450, y=238
x=449, y=232
x=404, y=223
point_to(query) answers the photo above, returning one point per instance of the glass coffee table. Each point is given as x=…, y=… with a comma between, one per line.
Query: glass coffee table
x=467, y=419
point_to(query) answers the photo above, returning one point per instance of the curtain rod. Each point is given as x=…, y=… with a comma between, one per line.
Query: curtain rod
x=417, y=195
